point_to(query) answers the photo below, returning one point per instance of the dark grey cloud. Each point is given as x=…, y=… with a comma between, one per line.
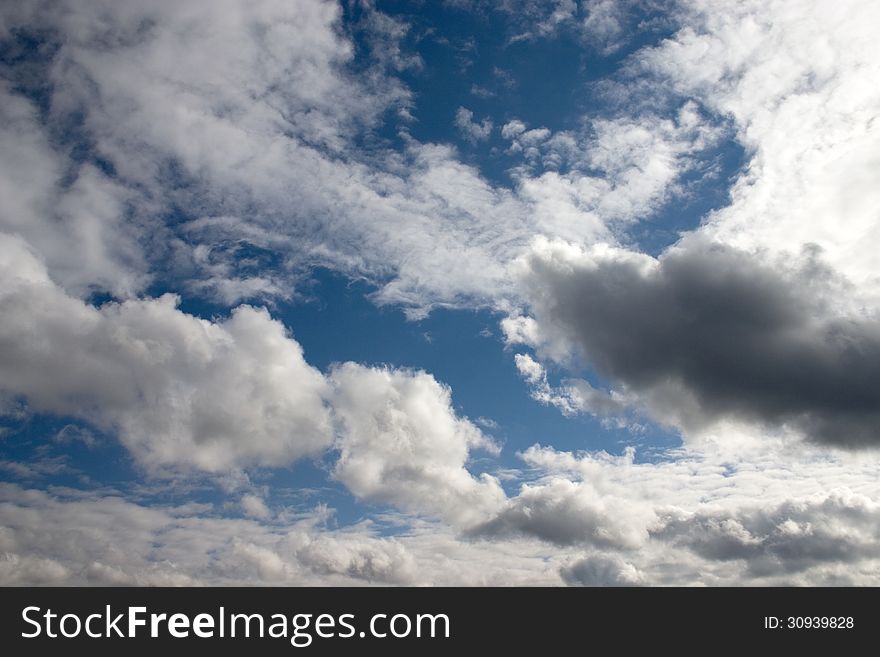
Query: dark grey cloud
x=710, y=332
x=786, y=538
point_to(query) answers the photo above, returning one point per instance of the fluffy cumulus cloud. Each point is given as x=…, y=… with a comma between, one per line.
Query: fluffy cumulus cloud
x=601, y=570
x=792, y=537
x=402, y=443
x=567, y=512
x=180, y=391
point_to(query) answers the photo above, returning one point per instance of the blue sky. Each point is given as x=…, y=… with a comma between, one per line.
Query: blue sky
x=565, y=292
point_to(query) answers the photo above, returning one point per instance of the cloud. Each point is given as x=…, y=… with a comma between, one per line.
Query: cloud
x=79, y=220
x=36, y=468
x=24, y=570
x=288, y=106
x=361, y=560
x=597, y=21
x=687, y=518
x=74, y=537
x=255, y=507
x=530, y=369
x=766, y=312
x=601, y=570
x=692, y=517
x=837, y=527
x=181, y=392
x=211, y=133
x=240, y=127
x=597, y=183
x=481, y=92
x=574, y=396
x=708, y=332
x=813, y=523
x=603, y=25
x=567, y=513
x=401, y=443
x=71, y=433
x=806, y=122
x=90, y=539
x=470, y=129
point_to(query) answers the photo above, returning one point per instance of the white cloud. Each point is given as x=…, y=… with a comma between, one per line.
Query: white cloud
x=249, y=113
x=520, y=329
x=594, y=184
x=798, y=83
x=530, y=369
x=361, y=560
x=255, y=507
x=837, y=527
x=688, y=518
x=602, y=570
x=603, y=25
x=92, y=539
x=70, y=433
x=565, y=512
x=285, y=108
x=400, y=442
x=708, y=517
x=599, y=23
x=35, y=468
x=574, y=396
x=180, y=391
x=471, y=130
x=79, y=226
x=76, y=538
x=481, y=92
x=512, y=129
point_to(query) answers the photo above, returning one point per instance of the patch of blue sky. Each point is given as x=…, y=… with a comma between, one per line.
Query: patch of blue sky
x=25, y=58
x=472, y=60
x=46, y=452
x=701, y=190
x=62, y=451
